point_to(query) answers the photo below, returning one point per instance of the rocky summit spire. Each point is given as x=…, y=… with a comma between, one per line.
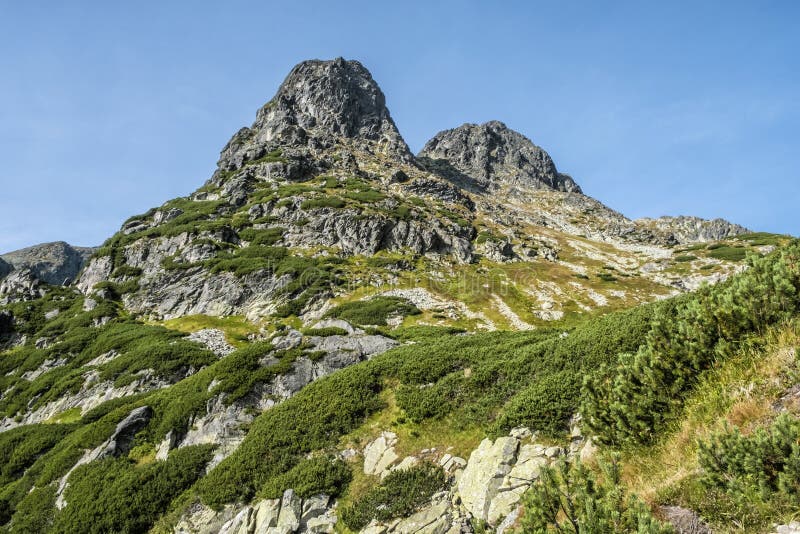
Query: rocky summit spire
x=488, y=155
x=320, y=104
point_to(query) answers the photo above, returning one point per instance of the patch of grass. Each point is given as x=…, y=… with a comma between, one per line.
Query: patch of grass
x=67, y=416
x=236, y=328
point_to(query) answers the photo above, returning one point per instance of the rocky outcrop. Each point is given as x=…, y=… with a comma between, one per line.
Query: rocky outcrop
x=790, y=528
x=379, y=455
x=694, y=229
x=97, y=270
x=213, y=339
x=498, y=473
x=193, y=291
x=287, y=515
x=55, y=263
x=92, y=393
x=367, y=235
x=121, y=440
x=224, y=422
x=118, y=444
x=22, y=284
x=483, y=157
x=685, y=521
x=319, y=104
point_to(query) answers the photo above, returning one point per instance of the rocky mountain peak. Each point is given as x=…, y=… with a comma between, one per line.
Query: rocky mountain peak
x=486, y=156
x=319, y=105
x=55, y=263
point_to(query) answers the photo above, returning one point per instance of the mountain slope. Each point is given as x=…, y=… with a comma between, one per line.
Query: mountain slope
x=273, y=351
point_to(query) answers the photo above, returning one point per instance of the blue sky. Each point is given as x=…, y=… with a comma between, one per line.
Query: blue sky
x=110, y=108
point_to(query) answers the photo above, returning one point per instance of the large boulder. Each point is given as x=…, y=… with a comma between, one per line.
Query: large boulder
x=486, y=468
x=379, y=454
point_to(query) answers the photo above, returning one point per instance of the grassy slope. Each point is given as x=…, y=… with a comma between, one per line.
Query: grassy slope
x=740, y=392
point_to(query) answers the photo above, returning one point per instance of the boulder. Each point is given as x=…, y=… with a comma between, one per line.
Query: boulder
x=265, y=516
x=290, y=514
x=379, y=454
x=486, y=469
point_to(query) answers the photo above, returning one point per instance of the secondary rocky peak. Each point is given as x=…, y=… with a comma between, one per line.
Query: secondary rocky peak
x=687, y=229
x=485, y=156
x=320, y=104
x=54, y=263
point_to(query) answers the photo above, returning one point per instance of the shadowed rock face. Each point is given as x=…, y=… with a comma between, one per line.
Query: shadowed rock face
x=485, y=156
x=5, y=268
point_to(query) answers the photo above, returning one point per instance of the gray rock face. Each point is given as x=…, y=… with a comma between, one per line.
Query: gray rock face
x=174, y=294
x=480, y=157
x=357, y=235
x=498, y=474
x=694, y=229
x=22, y=284
x=319, y=103
x=213, y=339
x=54, y=263
x=118, y=444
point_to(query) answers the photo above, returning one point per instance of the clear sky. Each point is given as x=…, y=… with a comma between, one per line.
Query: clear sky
x=655, y=108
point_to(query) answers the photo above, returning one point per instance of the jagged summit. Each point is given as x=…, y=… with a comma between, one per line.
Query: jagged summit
x=484, y=156
x=319, y=105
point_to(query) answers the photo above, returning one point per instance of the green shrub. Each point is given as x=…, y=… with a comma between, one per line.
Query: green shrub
x=35, y=512
x=631, y=401
x=400, y=494
x=325, y=332
x=314, y=476
x=570, y=498
x=765, y=464
x=323, y=202
x=266, y=237
x=112, y=495
x=280, y=438
x=366, y=196
x=21, y=446
x=546, y=404
x=728, y=253
x=684, y=258
x=374, y=311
